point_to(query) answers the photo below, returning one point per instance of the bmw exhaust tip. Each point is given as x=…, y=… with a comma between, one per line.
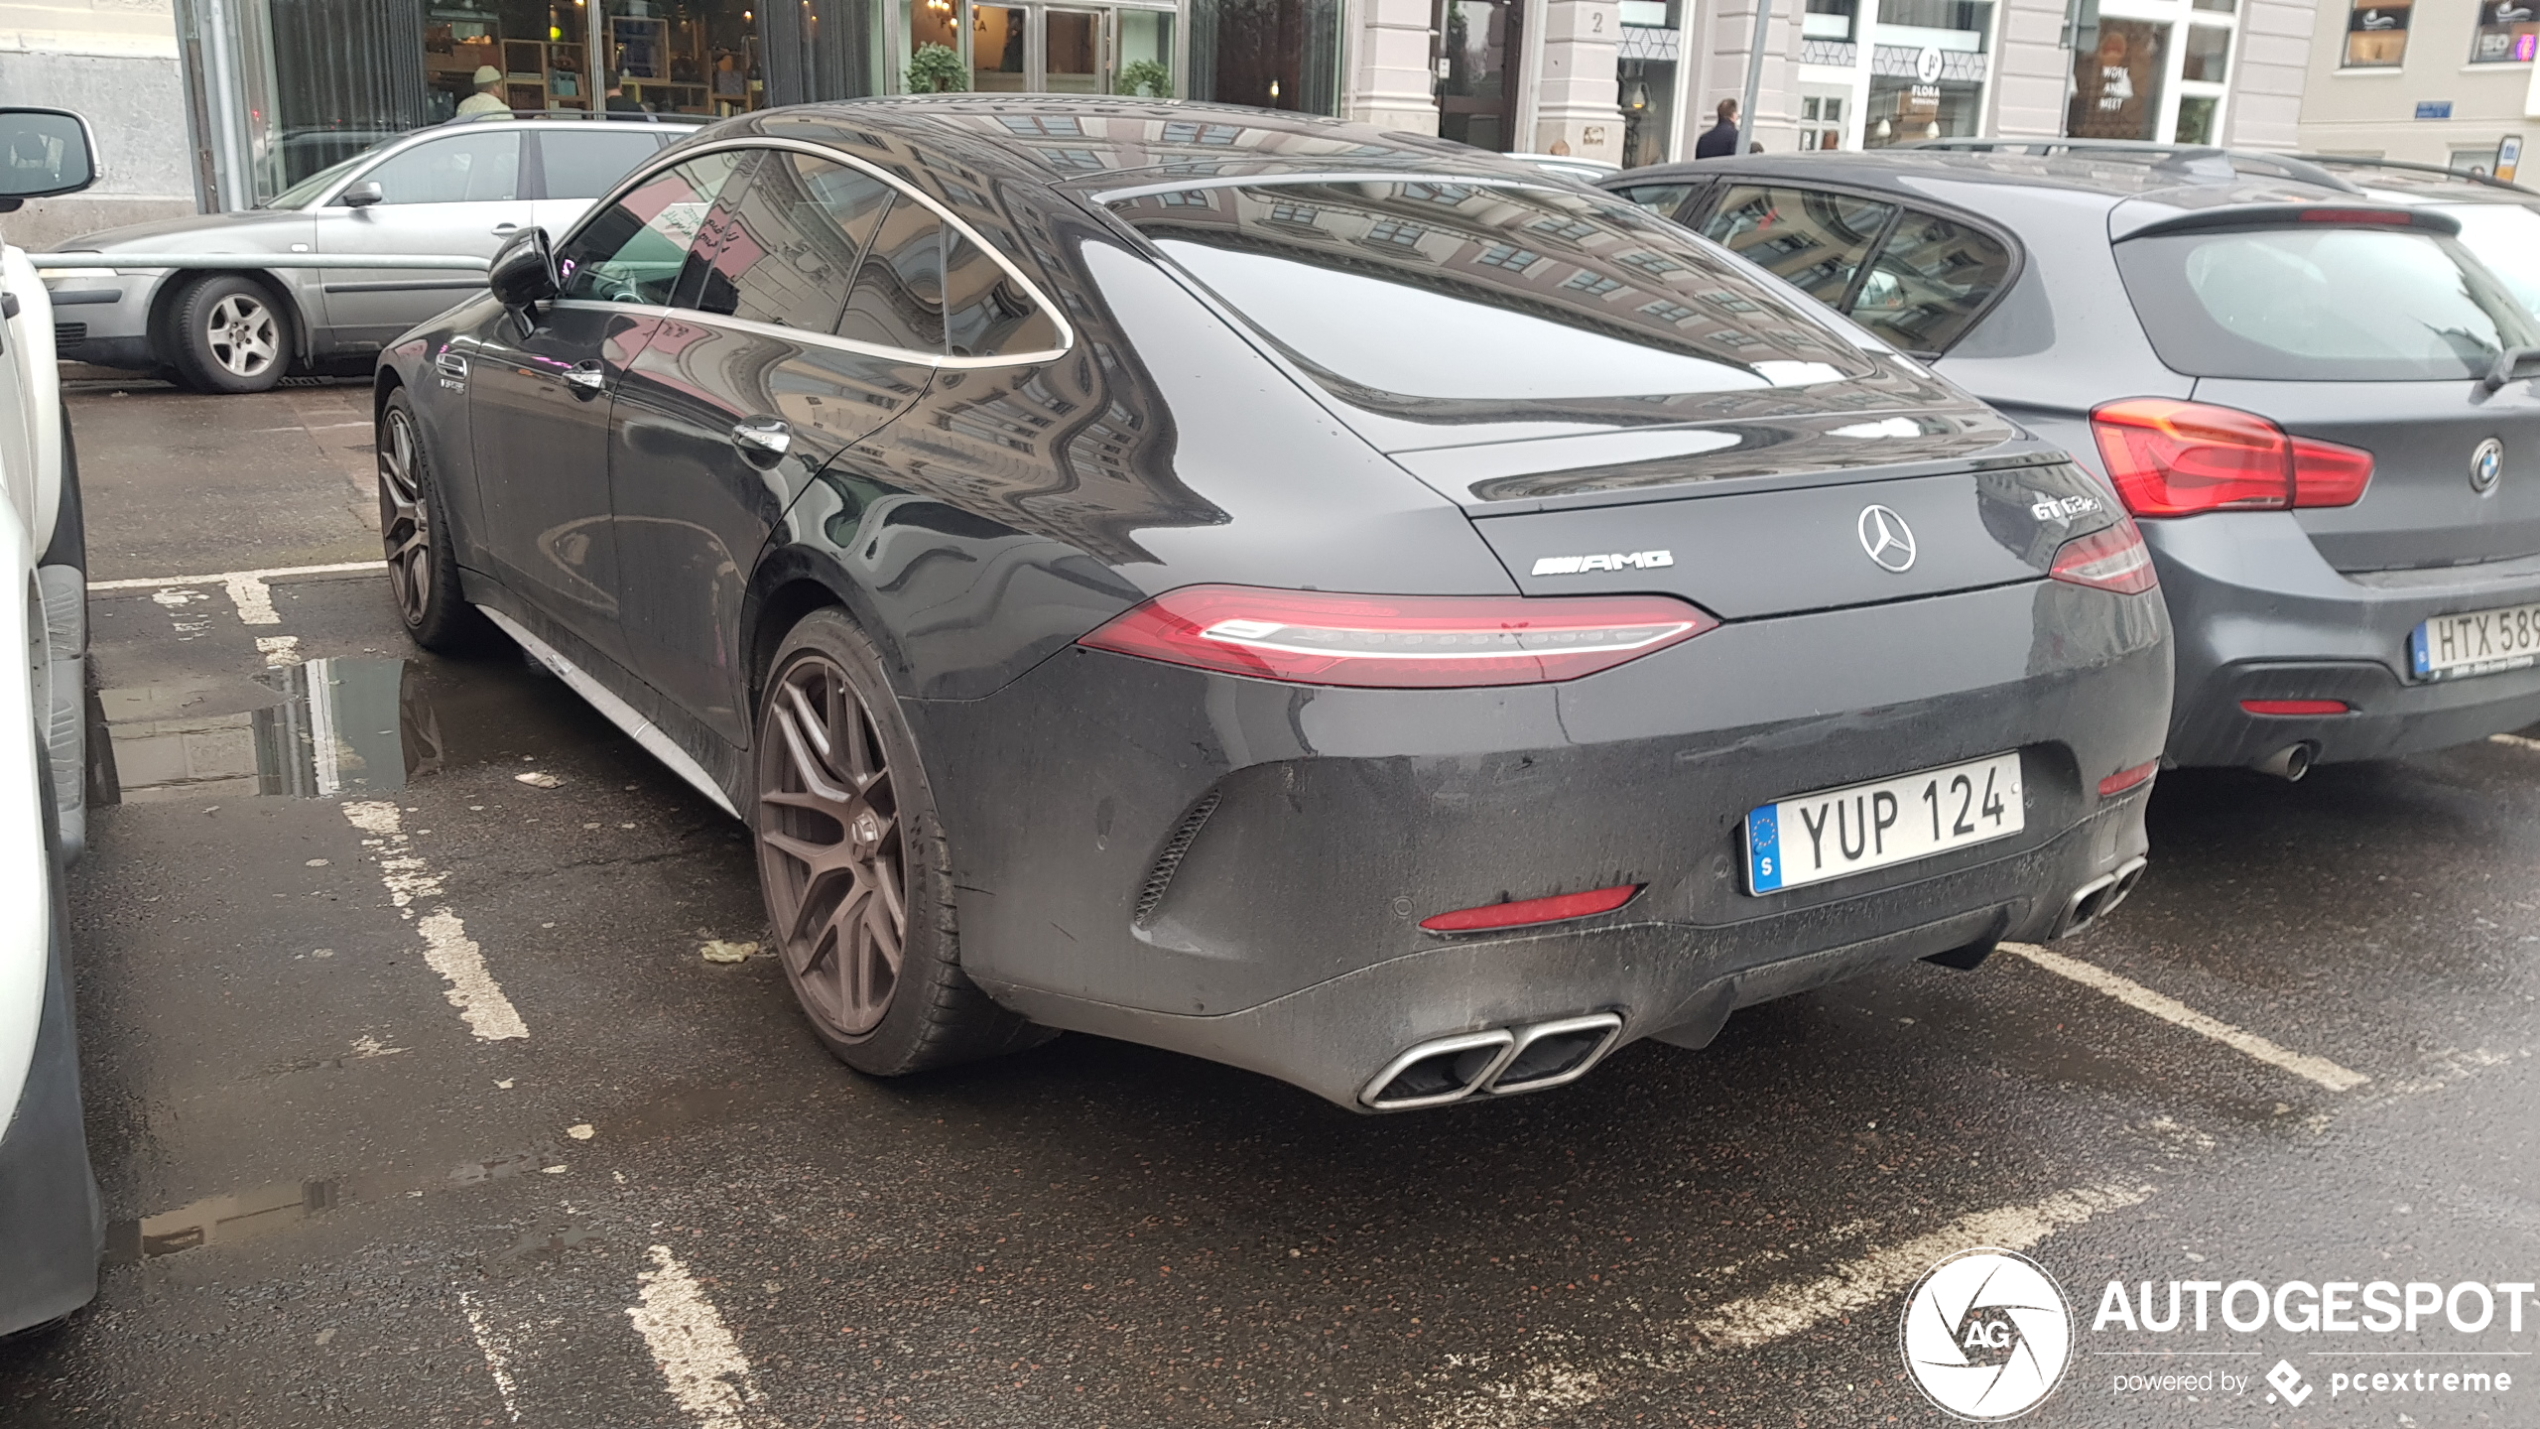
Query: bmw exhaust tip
x=2289, y=763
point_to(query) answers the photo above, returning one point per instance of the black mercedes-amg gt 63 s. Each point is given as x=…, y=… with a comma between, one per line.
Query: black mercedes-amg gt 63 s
x=1333, y=602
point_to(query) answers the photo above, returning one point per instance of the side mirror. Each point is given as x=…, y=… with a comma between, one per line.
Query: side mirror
x=43, y=152
x=523, y=274
x=363, y=194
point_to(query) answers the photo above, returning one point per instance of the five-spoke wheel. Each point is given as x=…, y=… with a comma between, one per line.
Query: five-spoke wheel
x=226, y=332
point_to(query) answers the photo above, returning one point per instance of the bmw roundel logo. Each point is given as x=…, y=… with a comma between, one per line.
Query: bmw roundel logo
x=1887, y=538
x=2487, y=465
x=1986, y=1335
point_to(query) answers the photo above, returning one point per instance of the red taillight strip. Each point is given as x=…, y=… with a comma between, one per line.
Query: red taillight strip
x=2297, y=707
x=2115, y=559
x=2173, y=458
x=1397, y=641
x=2125, y=779
x=1557, y=908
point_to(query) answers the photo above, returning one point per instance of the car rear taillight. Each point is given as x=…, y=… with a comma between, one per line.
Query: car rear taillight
x=2170, y=458
x=1526, y=911
x=2114, y=559
x=1397, y=641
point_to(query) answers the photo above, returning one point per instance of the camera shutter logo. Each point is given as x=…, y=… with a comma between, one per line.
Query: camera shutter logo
x=1986, y=1335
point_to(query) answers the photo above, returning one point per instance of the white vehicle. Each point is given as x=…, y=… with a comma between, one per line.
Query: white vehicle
x=50, y=1225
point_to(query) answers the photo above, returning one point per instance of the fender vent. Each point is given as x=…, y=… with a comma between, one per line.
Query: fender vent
x=64, y=334
x=1160, y=877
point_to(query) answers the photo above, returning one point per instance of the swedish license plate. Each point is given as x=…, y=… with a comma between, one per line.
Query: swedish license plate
x=1810, y=838
x=2478, y=642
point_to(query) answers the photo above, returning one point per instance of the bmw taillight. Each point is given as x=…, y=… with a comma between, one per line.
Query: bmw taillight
x=1397, y=641
x=2114, y=559
x=2170, y=458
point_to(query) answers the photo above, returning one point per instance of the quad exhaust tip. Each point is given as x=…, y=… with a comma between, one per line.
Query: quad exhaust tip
x=2099, y=897
x=1502, y=1061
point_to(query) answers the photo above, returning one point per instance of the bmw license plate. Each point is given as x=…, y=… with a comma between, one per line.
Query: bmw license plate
x=1813, y=837
x=2478, y=642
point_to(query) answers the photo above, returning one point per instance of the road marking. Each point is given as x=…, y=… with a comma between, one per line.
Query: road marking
x=225, y=577
x=278, y=650
x=446, y=945
x=498, y=1353
x=2515, y=740
x=2169, y=1009
x=254, y=600
x=699, y=1359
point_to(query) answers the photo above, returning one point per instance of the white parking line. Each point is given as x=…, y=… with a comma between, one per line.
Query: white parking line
x=2514, y=740
x=446, y=945
x=254, y=600
x=2169, y=1009
x=699, y=1359
x=225, y=577
x=498, y=1353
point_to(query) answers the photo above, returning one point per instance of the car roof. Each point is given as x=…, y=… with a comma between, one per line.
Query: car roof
x=1100, y=142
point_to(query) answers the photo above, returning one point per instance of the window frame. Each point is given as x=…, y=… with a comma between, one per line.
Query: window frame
x=2346, y=36
x=533, y=156
x=684, y=153
x=1903, y=205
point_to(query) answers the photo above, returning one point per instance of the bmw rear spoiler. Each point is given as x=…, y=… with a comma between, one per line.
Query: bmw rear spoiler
x=2244, y=216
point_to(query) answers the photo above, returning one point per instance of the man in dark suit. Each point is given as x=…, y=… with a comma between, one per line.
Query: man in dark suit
x=1720, y=140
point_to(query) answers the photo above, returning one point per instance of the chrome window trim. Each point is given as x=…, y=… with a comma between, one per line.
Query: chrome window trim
x=673, y=157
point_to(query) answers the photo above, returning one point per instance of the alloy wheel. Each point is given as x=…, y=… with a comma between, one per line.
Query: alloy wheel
x=242, y=335
x=830, y=847
x=405, y=523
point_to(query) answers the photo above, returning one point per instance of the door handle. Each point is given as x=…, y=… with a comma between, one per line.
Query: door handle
x=503, y=228
x=763, y=436
x=587, y=379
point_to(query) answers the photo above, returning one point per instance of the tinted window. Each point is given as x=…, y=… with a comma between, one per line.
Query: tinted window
x=1660, y=199
x=1812, y=240
x=2368, y=305
x=1437, y=290
x=898, y=299
x=633, y=251
x=464, y=168
x=588, y=163
x=985, y=311
x=1932, y=277
x=783, y=243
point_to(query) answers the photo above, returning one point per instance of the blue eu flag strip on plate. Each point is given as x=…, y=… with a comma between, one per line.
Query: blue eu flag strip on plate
x=1763, y=850
x=2417, y=655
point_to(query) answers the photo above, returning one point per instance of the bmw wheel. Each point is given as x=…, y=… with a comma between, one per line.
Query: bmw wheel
x=855, y=868
x=227, y=334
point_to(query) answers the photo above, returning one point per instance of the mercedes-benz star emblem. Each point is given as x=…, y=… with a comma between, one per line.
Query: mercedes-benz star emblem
x=2487, y=465
x=1887, y=538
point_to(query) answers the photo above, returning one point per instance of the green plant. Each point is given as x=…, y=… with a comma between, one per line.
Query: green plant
x=934, y=69
x=1148, y=75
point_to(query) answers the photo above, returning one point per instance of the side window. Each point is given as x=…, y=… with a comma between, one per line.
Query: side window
x=464, y=168
x=898, y=299
x=1813, y=240
x=633, y=252
x=985, y=311
x=1930, y=280
x=587, y=164
x=783, y=243
x=1664, y=200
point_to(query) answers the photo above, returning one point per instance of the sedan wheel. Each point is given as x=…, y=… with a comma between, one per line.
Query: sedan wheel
x=243, y=336
x=226, y=333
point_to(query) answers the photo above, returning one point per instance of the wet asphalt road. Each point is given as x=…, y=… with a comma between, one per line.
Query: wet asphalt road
x=337, y=1204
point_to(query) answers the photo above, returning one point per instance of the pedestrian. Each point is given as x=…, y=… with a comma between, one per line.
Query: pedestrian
x=1720, y=140
x=616, y=102
x=488, y=98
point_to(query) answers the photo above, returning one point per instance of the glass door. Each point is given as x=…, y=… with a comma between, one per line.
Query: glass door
x=1000, y=61
x=1072, y=48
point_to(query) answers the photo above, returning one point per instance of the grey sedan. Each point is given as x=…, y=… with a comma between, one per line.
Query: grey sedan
x=453, y=189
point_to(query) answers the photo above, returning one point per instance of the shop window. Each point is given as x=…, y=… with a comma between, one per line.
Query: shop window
x=2208, y=54
x=898, y=300
x=463, y=168
x=635, y=251
x=1830, y=20
x=1821, y=121
x=1813, y=240
x=2196, y=118
x=1275, y=54
x=1477, y=90
x=2508, y=32
x=1931, y=279
x=996, y=49
x=1647, y=96
x=2377, y=34
x=785, y=238
x=2117, y=81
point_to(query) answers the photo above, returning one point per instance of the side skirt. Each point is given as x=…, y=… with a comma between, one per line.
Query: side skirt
x=618, y=711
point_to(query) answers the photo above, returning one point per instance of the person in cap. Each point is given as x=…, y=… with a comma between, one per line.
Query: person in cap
x=488, y=98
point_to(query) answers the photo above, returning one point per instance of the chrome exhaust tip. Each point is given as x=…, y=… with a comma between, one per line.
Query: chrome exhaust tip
x=1434, y=1073
x=2289, y=763
x=1550, y=1054
x=2099, y=897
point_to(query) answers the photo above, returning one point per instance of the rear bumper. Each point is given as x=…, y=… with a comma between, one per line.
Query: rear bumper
x=2260, y=616
x=1237, y=869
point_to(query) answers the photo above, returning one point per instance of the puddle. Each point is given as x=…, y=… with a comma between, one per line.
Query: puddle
x=325, y=729
x=218, y=1220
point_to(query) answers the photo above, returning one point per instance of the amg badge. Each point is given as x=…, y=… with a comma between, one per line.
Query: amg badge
x=1620, y=560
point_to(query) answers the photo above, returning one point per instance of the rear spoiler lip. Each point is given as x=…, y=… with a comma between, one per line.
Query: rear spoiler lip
x=2246, y=216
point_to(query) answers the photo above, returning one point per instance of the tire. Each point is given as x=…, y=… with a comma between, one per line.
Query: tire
x=227, y=334
x=423, y=567
x=855, y=869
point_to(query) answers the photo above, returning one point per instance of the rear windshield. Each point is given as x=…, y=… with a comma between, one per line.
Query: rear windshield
x=2321, y=304
x=2505, y=237
x=1423, y=291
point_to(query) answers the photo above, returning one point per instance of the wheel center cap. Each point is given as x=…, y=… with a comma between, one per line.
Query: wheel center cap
x=867, y=828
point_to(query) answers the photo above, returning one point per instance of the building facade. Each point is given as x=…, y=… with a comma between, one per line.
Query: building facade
x=116, y=62
x=2453, y=82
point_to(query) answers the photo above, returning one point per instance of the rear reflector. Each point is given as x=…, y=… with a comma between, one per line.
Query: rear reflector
x=2395, y=218
x=2296, y=707
x=2170, y=458
x=2114, y=559
x=2125, y=779
x=1397, y=641
x=1532, y=910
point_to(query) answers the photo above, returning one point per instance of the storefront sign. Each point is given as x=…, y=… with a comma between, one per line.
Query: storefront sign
x=2508, y=156
x=2434, y=109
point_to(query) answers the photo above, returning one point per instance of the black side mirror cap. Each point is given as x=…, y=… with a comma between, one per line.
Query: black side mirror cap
x=362, y=195
x=523, y=274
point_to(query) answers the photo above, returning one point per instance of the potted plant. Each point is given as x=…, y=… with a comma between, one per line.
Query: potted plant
x=934, y=69
x=1148, y=75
